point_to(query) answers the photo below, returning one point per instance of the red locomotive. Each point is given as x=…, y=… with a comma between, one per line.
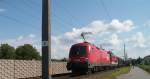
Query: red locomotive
x=85, y=57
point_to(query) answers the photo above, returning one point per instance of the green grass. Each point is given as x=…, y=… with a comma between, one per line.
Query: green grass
x=145, y=67
x=114, y=74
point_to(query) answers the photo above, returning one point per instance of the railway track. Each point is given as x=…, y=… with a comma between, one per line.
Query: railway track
x=95, y=75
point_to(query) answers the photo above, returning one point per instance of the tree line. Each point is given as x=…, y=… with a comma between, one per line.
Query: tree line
x=24, y=52
x=144, y=61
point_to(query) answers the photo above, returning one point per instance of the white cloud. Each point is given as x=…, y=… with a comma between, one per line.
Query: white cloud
x=62, y=43
x=99, y=28
x=138, y=40
x=32, y=36
x=115, y=41
x=20, y=38
x=147, y=24
x=119, y=26
x=104, y=33
x=137, y=45
x=94, y=27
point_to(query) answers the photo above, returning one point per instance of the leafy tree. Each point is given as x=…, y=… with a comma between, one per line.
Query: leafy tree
x=63, y=59
x=27, y=52
x=139, y=60
x=7, y=52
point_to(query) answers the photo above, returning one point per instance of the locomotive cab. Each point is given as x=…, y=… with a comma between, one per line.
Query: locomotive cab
x=78, y=59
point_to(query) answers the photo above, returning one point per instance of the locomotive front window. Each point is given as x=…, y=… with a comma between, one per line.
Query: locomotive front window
x=78, y=50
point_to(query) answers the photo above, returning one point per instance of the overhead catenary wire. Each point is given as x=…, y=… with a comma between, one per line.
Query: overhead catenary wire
x=62, y=20
x=23, y=12
x=31, y=4
x=105, y=8
x=20, y=10
x=35, y=2
x=68, y=12
x=61, y=24
x=67, y=24
x=18, y=21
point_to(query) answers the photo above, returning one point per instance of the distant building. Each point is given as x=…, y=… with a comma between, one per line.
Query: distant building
x=146, y=60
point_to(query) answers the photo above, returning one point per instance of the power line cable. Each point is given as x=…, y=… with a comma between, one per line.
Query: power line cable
x=17, y=21
x=30, y=4
x=68, y=12
x=62, y=23
x=105, y=8
x=35, y=2
x=21, y=10
x=62, y=20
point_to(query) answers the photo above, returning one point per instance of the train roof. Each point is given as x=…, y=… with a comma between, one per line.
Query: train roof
x=82, y=44
x=86, y=44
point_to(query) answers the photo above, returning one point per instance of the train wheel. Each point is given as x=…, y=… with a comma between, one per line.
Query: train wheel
x=105, y=68
x=89, y=71
x=74, y=71
x=99, y=69
x=93, y=70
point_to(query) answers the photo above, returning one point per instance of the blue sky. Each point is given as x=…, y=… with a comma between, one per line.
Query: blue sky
x=126, y=21
x=85, y=11
x=69, y=14
x=19, y=17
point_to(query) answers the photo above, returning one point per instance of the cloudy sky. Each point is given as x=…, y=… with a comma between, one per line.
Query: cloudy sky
x=112, y=23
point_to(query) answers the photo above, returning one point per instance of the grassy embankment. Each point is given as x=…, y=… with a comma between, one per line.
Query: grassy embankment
x=145, y=67
x=118, y=72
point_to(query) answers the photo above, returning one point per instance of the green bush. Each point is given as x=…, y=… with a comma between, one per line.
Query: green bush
x=118, y=72
x=145, y=67
x=7, y=52
x=24, y=52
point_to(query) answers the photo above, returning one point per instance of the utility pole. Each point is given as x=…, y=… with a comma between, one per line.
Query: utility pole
x=124, y=52
x=46, y=40
x=101, y=47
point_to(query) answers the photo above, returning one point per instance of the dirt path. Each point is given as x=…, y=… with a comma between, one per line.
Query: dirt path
x=135, y=73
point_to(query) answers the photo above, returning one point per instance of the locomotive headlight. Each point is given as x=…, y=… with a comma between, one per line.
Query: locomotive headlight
x=86, y=60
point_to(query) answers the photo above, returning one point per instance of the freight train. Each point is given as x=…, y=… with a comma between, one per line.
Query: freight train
x=86, y=57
